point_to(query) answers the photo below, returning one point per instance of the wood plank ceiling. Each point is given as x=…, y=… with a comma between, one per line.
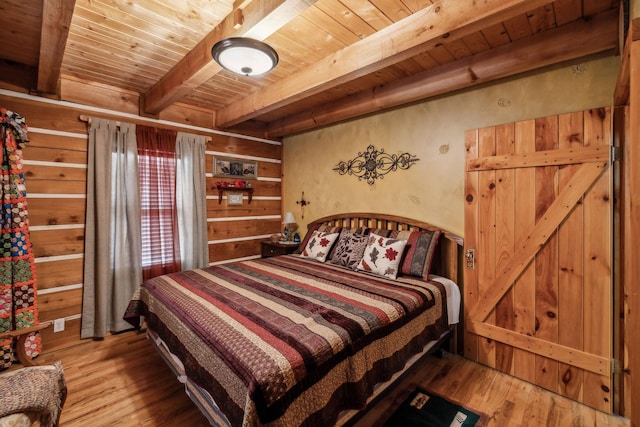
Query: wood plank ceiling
x=339, y=59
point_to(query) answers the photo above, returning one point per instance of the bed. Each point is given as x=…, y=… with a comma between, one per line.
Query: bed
x=307, y=338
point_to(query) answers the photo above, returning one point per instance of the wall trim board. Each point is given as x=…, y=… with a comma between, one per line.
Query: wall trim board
x=12, y=94
x=240, y=239
x=60, y=289
x=58, y=133
x=54, y=164
x=243, y=218
x=243, y=156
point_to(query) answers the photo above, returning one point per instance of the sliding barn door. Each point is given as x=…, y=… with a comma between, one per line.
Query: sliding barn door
x=538, y=246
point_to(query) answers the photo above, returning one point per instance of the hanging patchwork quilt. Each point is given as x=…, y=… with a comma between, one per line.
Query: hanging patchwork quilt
x=18, y=308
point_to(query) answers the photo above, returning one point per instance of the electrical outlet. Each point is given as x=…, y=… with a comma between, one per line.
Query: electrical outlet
x=58, y=325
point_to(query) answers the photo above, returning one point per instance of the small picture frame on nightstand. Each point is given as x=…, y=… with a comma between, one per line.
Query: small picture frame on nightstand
x=234, y=199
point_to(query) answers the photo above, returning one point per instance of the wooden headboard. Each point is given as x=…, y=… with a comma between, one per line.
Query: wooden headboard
x=448, y=261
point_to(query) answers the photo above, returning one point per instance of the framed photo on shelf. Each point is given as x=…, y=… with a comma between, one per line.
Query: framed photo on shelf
x=228, y=167
x=234, y=199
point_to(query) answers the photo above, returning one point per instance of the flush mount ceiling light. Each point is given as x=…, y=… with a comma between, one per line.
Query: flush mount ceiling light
x=245, y=56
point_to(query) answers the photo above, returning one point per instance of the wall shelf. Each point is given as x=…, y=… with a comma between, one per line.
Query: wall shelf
x=221, y=190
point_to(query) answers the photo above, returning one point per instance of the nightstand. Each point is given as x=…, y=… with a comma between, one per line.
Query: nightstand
x=269, y=249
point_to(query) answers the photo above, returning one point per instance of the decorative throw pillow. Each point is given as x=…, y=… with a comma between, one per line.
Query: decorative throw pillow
x=421, y=246
x=345, y=234
x=319, y=245
x=313, y=227
x=349, y=251
x=382, y=256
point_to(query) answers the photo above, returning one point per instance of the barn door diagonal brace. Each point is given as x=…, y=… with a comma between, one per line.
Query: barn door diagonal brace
x=579, y=184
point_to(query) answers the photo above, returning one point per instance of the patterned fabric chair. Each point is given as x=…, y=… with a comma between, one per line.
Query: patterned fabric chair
x=32, y=395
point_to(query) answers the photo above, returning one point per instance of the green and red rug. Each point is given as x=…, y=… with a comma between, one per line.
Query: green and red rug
x=426, y=409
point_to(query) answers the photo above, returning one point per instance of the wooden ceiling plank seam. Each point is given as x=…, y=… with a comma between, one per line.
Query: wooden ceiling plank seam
x=198, y=65
x=320, y=41
x=419, y=32
x=118, y=51
x=139, y=19
x=476, y=43
x=574, y=40
x=458, y=49
x=542, y=18
x=204, y=12
x=567, y=11
x=518, y=27
x=319, y=19
x=496, y=35
x=416, y=5
x=123, y=34
x=104, y=37
x=369, y=13
x=395, y=10
x=56, y=22
x=346, y=17
x=127, y=74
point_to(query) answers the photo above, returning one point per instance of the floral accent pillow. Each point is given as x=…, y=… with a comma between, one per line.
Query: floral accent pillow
x=319, y=245
x=349, y=252
x=382, y=256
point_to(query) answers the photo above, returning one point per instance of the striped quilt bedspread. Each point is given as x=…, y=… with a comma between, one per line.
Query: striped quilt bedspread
x=287, y=341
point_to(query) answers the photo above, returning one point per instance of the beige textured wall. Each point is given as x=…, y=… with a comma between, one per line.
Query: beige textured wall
x=432, y=189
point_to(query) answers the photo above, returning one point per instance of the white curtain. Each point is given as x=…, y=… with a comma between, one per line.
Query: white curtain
x=113, y=260
x=191, y=200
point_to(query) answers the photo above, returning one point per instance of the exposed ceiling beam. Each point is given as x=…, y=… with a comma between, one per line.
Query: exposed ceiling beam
x=425, y=29
x=572, y=41
x=56, y=21
x=258, y=20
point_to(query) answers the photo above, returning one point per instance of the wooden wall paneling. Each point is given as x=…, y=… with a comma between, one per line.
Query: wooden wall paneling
x=524, y=288
x=67, y=338
x=471, y=292
x=257, y=207
x=598, y=265
x=546, y=259
x=505, y=217
x=233, y=144
x=53, y=211
x=45, y=186
x=49, y=242
x=60, y=173
x=570, y=261
x=181, y=113
x=486, y=245
x=59, y=272
x=99, y=95
x=57, y=153
x=39, y=139
x=221, y=252
x=55, y=305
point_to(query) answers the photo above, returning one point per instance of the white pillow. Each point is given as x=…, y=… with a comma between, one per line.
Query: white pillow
x=382, y=256
x=319, y=245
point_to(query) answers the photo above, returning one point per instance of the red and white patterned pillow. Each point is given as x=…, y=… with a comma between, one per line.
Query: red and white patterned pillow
x=319, y=245
x=382, y=256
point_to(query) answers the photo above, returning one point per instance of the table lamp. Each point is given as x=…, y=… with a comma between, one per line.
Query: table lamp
x=288, y=220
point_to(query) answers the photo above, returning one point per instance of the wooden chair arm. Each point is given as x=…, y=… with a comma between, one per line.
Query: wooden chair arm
x=22, y=335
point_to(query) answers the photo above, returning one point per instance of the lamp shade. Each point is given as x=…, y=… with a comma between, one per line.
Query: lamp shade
x=289, y=218
x=244, y=56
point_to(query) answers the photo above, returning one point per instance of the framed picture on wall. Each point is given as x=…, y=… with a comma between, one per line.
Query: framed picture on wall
x=228, y=167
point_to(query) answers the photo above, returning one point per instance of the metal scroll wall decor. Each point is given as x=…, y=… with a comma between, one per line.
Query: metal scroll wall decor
x=373, y=164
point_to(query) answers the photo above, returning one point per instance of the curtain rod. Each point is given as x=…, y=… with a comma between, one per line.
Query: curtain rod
x=85, y=118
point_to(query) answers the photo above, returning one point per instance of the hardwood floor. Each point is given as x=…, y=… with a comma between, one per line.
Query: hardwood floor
x=122, y=381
